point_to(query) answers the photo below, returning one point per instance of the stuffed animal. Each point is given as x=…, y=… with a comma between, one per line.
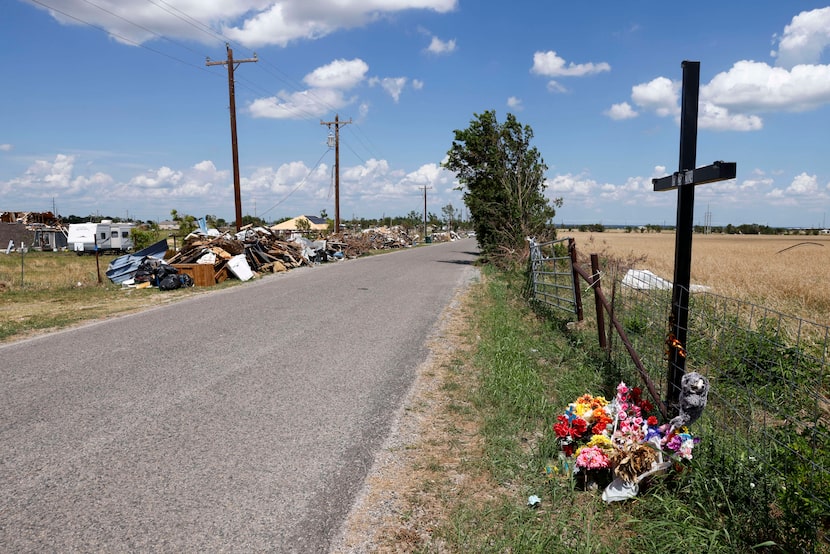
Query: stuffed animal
x=694, y=392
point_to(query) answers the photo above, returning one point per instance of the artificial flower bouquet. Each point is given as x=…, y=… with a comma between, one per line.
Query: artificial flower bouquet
x=619, y=438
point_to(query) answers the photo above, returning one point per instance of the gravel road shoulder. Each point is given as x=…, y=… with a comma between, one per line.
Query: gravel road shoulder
x=427, y=452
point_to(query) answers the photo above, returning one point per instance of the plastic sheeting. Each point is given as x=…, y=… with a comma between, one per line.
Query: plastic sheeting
x=124, y=268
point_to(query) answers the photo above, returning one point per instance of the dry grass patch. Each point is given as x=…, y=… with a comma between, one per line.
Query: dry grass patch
x=60, y=289
x=789, y=274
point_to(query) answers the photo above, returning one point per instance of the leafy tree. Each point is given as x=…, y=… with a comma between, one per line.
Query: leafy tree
x=187, y=223
x=215, y=222
x=413, y=220
x=449, y=216
x=303, y=225
x=253, y=220
x=503, y=178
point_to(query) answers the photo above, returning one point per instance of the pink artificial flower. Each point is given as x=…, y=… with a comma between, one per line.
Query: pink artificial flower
x=592, y=457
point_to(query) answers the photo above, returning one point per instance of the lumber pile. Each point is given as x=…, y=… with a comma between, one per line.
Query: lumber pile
x=268, y=251
x=263, y=251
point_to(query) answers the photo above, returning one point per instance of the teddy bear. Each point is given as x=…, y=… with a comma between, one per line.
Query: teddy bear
x=694, y=392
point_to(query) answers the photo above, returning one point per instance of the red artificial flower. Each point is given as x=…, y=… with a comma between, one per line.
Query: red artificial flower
x=579, y=426
x=652, y=421
x=573, y=429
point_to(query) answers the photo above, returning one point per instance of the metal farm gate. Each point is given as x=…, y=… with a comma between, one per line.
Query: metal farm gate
x=552, y=276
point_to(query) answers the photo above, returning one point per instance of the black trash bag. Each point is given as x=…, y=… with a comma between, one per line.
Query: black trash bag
x=164, y=270
x=186, y=280
x=146, y=272
x=170, y=282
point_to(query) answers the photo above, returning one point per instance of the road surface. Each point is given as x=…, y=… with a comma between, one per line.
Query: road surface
x=240, y=420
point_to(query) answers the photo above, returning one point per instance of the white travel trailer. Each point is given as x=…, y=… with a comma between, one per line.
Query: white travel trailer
x=103, y=237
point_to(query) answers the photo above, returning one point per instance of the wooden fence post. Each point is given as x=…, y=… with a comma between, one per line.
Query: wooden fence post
x=580, y=316
x=597, y=286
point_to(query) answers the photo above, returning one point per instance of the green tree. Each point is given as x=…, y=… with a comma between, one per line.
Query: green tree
x=503, y=178
x=449, y=215
x=253, y=220
x=303, y=225
x=187, y=223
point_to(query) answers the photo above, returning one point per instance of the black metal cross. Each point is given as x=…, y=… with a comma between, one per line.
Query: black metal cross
x=685, y=180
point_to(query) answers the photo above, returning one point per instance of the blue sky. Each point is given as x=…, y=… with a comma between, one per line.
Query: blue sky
x=107, y=106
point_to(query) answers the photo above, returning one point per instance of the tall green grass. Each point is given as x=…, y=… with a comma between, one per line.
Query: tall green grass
x=529, y=368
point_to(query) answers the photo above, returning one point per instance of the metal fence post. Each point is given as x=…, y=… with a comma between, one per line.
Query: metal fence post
x=577, y=293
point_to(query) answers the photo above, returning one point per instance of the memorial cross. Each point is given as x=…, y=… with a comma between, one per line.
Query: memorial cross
x=685, y=180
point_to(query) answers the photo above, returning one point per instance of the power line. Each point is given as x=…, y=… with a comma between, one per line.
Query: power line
x=310, y=171
x=116, y=35
x=192, y=21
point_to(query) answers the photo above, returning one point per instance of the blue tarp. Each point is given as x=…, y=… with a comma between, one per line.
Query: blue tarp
x=124, y=268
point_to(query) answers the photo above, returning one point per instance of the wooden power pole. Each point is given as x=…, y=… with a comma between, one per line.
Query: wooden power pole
x=425, y=188
x=337, y=124
x=237, y=195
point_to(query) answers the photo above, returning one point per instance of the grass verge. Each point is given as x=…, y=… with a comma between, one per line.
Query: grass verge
x=521, y=371
x=44, y=291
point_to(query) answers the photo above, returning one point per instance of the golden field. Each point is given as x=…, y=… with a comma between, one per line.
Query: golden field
x=789, y=274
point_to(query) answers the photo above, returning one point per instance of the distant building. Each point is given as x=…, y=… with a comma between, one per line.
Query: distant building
x=169, y=225
x=302, y=223
x=35, y=230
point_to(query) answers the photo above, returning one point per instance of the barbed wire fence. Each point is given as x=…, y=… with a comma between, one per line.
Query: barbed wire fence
x=768, y=415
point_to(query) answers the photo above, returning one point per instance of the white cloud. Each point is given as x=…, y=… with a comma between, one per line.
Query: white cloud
x=339, y=74
x=45, y=178
x=718, y=118
x=392, y=85
x=660, y=95
x=623, y=110
x=570, y=186
x=328, y=84
x=249, y=22
x=290, y=189
x=554, y=86
x=515, y=103
x=755, y=86
x=6, y=147
x=804, y=39
x=549, y=64
x=299, y=105
x=803, y=184
x=417, y=84
x=732, y=100
x=438, y=46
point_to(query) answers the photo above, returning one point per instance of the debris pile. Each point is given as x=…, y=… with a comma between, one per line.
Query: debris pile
x=212, y=257
x=259, y=248
x=377, y=238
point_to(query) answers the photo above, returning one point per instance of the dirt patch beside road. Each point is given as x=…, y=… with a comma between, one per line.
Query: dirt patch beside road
x=429, y=456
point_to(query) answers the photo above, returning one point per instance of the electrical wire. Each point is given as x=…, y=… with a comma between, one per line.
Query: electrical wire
x=301, y=183
x=242, y=81
x=116, y=35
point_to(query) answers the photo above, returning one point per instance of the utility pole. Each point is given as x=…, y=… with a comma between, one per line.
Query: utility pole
x=237, y=195
x=425, y=211
x=337, y=124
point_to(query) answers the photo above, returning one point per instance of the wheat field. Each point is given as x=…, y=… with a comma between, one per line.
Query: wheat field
x=788, y=274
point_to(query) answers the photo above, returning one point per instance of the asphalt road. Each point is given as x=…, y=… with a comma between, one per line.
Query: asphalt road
x=236, y=421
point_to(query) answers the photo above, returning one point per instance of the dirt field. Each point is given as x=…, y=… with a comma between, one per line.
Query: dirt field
x=790, y=274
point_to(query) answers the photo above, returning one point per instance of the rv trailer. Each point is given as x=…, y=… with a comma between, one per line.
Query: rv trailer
x=105, y=237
